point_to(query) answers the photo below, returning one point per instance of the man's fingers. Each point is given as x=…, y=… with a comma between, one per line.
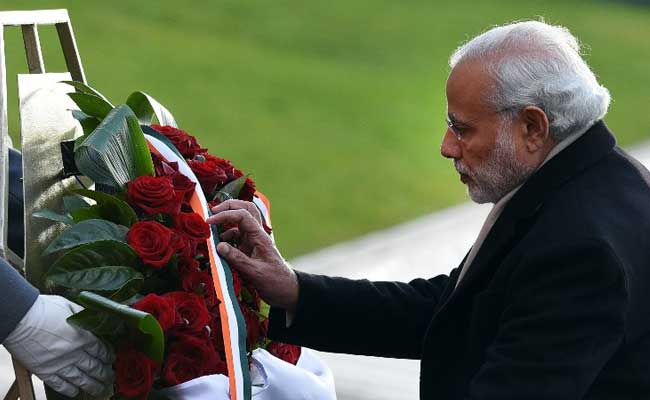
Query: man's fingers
x=245, y=221
x=230, y=235
x=235, y=204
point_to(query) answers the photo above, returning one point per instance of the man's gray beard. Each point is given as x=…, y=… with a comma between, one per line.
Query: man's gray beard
x=499, y=174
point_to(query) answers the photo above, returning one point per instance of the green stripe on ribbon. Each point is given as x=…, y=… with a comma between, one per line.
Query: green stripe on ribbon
x=241, y=322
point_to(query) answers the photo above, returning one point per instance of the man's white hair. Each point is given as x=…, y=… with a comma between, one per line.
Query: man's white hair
x=537, y=64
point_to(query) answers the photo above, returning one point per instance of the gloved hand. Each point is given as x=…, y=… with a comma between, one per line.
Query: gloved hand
x=66, y=358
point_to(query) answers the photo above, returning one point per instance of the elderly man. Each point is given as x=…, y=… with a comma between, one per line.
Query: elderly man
x=553, y=299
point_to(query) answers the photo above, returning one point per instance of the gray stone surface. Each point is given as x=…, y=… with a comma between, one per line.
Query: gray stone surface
x=426, y=247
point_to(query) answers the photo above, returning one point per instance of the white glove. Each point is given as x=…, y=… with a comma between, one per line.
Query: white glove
x=66, y=358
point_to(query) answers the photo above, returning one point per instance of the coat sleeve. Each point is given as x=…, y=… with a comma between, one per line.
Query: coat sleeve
x=387, y=319
x=18, y=294
x=564, y=319
x=18, y=297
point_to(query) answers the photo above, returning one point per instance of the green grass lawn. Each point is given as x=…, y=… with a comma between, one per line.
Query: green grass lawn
x=336, y=107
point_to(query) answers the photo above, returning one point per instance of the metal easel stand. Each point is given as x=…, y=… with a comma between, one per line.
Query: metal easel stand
x=28, y=21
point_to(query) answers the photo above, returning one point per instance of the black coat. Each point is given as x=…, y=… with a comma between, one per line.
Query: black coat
x=555, y=306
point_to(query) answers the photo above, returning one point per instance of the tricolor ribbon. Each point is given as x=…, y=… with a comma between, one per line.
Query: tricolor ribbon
x=232, y=321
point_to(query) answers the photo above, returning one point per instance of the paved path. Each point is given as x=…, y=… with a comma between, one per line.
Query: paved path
x=426, y=247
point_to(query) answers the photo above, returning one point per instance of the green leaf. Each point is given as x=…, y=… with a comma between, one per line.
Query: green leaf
x=88, y=231
x=83, y=88
x=53, y=216
x=95, y=254
x=128, y=294
x=246, y=296
x=110, y=207
x=149, y=336
x=265, y=309
x=137, y=101
x=231, y=189
x=82, y=214
x=101, y=324
x=116, y=152
x=80, y=115
x=92, y=105
x=72, y=203
x=87, y=122
x=141, y=152
x=107, y=279
x=145, y=107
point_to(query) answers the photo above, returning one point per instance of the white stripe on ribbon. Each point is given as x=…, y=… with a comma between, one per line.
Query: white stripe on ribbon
x=265, y=213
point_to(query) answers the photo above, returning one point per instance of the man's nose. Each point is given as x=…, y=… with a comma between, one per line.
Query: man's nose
x=450, y=146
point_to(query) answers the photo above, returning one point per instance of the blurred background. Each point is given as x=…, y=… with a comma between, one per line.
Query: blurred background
x=336, y=108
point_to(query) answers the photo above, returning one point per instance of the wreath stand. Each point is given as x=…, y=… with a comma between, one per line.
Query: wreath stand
x=45, y=122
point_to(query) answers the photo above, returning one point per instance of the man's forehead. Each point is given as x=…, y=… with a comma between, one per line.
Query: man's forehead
x=466, y=87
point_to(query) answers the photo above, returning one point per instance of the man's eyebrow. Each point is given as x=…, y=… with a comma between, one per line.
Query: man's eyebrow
x=454, y=119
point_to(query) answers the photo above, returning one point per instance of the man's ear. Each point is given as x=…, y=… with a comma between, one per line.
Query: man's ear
x=536, y=135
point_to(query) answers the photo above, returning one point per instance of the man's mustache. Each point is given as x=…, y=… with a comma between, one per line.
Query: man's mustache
x=461, y=169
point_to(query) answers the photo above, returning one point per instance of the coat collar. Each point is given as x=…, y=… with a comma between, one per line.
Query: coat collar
x=593, y=145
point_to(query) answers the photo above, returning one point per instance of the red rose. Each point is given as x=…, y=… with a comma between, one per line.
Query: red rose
x=134, y=373
x=236, y=282
x=188, y=266
x=191, y=357
x=185, y=249
x=183, y=141
x=192, y=310
x=216, y=333
x=247, y=191
x=209, y=174
x=154, y=242
x=253, y=326
x=153, y=195
x=163, y=168
x=162, y=308
x=193, y=226
x=265, y=327
x=202, y=251
x=200, y=282
x=284, y=351
x=183, y=186
x=225, y=165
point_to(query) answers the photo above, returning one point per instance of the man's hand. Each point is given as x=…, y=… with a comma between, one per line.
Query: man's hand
x=257, y=259
x=66, y=358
